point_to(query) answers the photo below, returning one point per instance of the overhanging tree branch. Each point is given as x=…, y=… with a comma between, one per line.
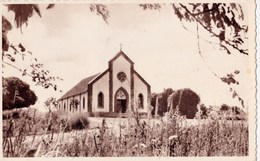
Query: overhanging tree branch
x=198, y=40
x=220, y=36
x=229, y=80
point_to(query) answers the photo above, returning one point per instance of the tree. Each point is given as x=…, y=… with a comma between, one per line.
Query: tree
x=17, y=94
x=224, y=107
x=162, y=101
x=231, y=112
x=185, y=101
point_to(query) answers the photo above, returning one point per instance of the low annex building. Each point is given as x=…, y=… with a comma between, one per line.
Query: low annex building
x=116, y=90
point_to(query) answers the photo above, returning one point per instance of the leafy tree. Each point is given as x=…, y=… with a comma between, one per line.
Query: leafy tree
x=162, y=101
x=232, y=112
x=17, y=94
x=185, y=101
x=224, y=107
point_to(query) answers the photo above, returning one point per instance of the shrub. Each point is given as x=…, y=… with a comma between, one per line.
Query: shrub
x=78, y=122
x=186, y=101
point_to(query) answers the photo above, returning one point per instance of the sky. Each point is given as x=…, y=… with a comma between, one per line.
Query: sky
x=74, y=43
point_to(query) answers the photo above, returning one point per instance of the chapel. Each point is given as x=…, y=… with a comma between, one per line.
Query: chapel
x=118, y=89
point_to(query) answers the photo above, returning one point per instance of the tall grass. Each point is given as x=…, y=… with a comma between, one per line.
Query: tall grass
x=59, y=136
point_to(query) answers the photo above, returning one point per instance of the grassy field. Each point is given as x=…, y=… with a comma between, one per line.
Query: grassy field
x=59, y=135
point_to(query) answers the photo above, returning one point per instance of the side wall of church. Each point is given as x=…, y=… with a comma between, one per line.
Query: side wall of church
x=140, y=88
x=101, y=85
x=121, y=65
x=64, y=105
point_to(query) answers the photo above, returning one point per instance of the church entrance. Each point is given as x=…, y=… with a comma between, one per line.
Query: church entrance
x=121, y=101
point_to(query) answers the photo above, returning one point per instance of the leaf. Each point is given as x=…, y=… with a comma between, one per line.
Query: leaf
x=21, y=47
x=195, y=6
x=144, y=6
x=50, y=6
x=7, y=55
x=237, y=72
x=226, y=20
x=206, y=16
x=36, y=9
x=242, y=103
x=234, y=94
x=34, y=79
x=187, y=16
x=24, y=72
x=155, y=6
x=233, y=6
x=5, y=42
x=100, y=10
x=222, y=35
x=177, y=12
x=239, y=39
x=22, y=12
x=6, y=25
x=241, y=16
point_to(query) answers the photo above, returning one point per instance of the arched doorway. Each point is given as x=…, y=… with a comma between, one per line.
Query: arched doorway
x=121, y=101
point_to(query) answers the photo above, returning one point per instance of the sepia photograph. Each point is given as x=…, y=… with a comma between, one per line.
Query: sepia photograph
x=128, y=80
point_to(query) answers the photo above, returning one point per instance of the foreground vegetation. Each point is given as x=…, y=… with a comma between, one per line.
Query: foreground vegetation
x=30, y=134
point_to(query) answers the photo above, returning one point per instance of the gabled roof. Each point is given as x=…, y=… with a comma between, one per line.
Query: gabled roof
x=141, y=78
x=124, y=55
x=81, y=87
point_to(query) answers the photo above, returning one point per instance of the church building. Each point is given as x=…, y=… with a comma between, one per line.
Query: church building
x=116, y=90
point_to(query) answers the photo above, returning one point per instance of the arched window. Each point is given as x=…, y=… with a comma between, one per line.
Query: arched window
x=71, y=105
x=64, y=106
x=100, y=100
x=140, y=101
x=83, y=102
